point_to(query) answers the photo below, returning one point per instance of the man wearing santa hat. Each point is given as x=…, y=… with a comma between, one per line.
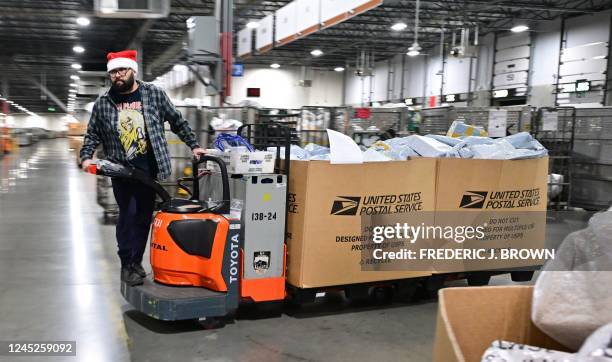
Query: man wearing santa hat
x=128, y=121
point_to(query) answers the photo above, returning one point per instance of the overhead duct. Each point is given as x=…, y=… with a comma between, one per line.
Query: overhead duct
x=132, y=9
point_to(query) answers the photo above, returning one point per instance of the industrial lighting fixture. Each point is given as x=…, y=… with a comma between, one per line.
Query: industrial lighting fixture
x=76, y=66
x=252, y=24
x=316, y=53
x=501, y=93
x=74, y=85
x=275, y=65
x=339, y=69
x=519, y=28
x=399, y=26
x=75, y=77
x=78, y=49
x=190, y=23
x=415, y=49
x=82, y=21
x=73, y=91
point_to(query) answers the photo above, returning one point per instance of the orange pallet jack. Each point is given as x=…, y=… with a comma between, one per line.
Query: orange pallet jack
x=197, y=253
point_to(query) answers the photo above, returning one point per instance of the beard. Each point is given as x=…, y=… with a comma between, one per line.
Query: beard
x=123, y=86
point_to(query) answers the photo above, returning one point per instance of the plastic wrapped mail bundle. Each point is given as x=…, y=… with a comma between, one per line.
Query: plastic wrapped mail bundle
x=597, y=348
x=461, y=129
x=518, y=146
x=503, y=351
x=573, y=295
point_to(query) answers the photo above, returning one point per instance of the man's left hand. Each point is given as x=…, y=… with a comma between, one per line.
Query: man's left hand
x=197, y=152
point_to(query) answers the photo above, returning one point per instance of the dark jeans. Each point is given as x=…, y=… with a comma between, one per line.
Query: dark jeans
x=136, y=203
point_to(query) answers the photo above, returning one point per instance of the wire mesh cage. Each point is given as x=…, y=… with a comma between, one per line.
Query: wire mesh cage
x=315, y=121
x=438, y=120
x=435, y=120
x=592, y=158
x=218, y=120
x=555, y=129
x=378, y=124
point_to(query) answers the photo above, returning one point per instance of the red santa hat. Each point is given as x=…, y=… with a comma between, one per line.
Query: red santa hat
x=122, y=59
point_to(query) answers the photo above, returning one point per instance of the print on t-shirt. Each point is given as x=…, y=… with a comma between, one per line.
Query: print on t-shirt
x=132, y=129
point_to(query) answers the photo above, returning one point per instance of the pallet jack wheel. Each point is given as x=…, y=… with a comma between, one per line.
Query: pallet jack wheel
x=521, y=276
x=297, y=296
x=212, y=322
x=405, y=291
x=357, y=293
x=382, y=294
x=432, y=285
x=478, y=279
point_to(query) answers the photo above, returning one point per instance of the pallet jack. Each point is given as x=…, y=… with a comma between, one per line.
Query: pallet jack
x=201, y=265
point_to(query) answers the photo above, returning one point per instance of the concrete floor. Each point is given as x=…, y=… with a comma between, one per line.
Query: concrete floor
x=59, y=280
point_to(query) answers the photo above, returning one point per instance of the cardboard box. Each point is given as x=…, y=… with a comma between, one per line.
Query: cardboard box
x=507, y=197
x=471, y=318
x=244, y=162
x=75, y=143
x=330, y=207
x=77, y=129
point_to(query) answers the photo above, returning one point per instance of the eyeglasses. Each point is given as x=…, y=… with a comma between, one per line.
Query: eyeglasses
x=118, y=72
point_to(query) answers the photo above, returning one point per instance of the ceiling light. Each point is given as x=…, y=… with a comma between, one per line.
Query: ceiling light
x=76, y=66
x=74, y=85
x=275, y=65
x=519, y=28
x=316, y=53
x=9, y=102
x=252, y=24
x=74, y=77
x=73, y=91
x=190, y=23
x=82, y=21
x=78, y=49
x=399, y=26
x=339, y=69
x=414, y=50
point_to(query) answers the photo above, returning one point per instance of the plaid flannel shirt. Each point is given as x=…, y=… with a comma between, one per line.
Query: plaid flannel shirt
x=157, y=108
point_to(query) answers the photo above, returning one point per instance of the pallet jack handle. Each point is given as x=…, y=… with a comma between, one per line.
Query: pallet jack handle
x=224, y=205
x=109, y=169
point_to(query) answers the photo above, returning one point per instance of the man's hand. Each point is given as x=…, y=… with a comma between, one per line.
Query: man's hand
x=197, y=152
x=85, y=164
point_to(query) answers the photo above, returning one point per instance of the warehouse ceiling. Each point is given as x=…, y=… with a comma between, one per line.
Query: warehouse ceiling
x=37, y=36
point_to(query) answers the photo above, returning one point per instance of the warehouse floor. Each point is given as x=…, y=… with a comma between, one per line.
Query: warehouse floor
x=59, y=280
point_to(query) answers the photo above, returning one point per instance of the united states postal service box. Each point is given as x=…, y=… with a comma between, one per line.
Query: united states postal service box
x=331, y=213
x=506, y=199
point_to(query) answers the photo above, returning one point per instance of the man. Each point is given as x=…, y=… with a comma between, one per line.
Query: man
x=129, y=122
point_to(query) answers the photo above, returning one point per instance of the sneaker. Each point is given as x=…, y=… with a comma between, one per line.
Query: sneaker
x=137, y=267
x=130, y=277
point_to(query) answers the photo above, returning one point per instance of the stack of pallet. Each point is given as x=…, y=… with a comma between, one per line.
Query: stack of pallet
x=75, y=138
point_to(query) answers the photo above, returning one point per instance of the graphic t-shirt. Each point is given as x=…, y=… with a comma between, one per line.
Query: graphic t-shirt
x=133, y=132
